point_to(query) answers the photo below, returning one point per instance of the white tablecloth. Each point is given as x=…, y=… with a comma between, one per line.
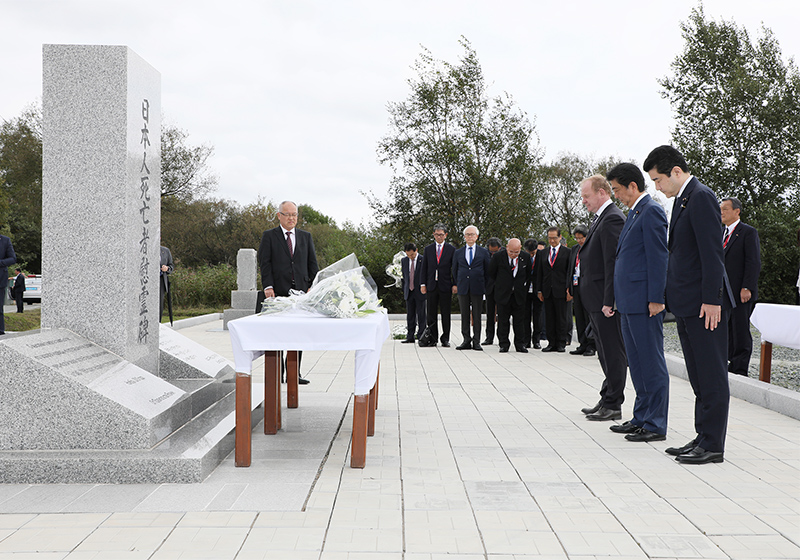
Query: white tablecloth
x=778, y=324
x=251, y=336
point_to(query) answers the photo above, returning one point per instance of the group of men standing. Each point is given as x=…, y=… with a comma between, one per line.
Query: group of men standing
x=623, y=275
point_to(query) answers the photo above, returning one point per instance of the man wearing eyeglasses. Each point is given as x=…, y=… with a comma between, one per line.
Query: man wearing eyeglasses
x=286, y=257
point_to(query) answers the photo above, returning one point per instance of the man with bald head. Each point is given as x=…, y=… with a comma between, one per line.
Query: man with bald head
x=510, y=277
x=470, y=273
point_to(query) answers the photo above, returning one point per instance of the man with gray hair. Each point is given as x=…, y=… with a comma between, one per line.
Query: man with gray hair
x=471, y=274
x=742, y=250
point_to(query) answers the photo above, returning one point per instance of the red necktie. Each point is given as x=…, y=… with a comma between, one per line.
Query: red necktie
x=289, y=242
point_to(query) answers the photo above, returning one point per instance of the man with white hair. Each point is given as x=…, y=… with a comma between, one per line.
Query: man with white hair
x=471, y=274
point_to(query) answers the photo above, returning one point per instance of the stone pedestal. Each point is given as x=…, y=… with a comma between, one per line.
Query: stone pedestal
x=243, y=300
x=101, y=210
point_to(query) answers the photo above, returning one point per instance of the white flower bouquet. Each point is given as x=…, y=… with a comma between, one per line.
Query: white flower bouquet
x=395, y=270
x=345, y=290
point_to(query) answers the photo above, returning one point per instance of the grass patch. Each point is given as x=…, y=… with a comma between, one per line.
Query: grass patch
x=29, y=320
x=179, y=313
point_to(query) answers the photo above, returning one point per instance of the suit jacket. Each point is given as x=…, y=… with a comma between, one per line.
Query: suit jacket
x=598, y=258
x=552, y=280
x=166, y=259
x=405, y=267
x=7, y=258
x=743, y=261
x=504, y=283
x=696, y=269
x=640, y=274
x=19, y=285
x=430, y=267
x=471, y=278
x=278, y=266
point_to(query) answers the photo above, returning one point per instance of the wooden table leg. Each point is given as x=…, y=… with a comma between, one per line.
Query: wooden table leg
x=358, y=443
x=377, y=382
x=292, y=378
x=272, y=403
x=373, y=400
x=242, y=445
x=765, y=366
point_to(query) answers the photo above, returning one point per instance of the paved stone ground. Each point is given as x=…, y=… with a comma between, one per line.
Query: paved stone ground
x=477, y=455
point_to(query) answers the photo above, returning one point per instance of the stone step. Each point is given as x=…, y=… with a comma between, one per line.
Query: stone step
x=188, y=455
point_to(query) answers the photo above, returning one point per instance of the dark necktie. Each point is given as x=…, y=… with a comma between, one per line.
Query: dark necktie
x=727, y=237
x=470, y=256
x=289, y=243
x=552, y=256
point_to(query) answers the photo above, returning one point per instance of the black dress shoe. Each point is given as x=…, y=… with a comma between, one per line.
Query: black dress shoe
x=578, y=351
x=462, y=346
x=561, y=349
x=503, y=349
x=549, y=348
x=445, y=344
x=589, y=352
x=593, y=409
x=522, y=350
x=625, y=428
x=605, y=414
x=407, y=341
x=528, y=345
x=303, y=381
x=536, y=345
x=487, y=342
x=699, y=456
x=645, y=435
x=477, y=346
x=680, y=450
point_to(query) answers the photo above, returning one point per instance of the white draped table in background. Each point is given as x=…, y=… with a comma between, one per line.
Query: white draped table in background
x=251, y=336
x=778, y=324
x=256, y=335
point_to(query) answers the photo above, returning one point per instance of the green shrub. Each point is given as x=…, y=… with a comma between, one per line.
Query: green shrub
x=205, y=286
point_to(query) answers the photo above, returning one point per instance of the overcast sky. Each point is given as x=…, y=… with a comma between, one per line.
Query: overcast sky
x=292, y=95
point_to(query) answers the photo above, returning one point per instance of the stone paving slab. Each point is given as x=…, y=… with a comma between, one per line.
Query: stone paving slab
x=477, y=455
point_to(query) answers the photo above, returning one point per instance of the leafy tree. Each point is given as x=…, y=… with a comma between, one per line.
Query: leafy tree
x=738, y=125
x=457, y=156
x=184, y=169
x=21, y=186
x=560, y=201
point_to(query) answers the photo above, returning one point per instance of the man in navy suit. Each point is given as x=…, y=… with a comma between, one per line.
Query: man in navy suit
x=510, y=276
x=552, y=289
x=596, y=286
x=471, y=274
x=698, y=295
x=7, y=257
x=640, y=277
x=437, y=282
x=411, y=265
x=742, y=251
x=18, y=290
x=287, y=259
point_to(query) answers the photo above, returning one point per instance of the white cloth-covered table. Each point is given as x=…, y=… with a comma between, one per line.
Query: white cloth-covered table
x=778, y=324
x=251, y=336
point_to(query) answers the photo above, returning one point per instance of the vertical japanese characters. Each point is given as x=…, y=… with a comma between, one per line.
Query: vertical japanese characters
x=144, y=210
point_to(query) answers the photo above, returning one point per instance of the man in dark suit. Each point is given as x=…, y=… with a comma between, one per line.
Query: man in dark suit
x=552, y=289
x=534, y=320
x=586, y=345
x=411, y=265
x=437, y=282
x=639, y=279
x=493, y=245
x=7, y=258
x=596, y=286
x=166, y=268
x=698, y=295
x=510, y=277
x=18, y=290
x=742, y=250
x=471, y=274
x=287, y=258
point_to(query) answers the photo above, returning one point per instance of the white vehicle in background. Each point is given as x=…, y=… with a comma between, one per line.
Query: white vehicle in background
x=33, y=289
